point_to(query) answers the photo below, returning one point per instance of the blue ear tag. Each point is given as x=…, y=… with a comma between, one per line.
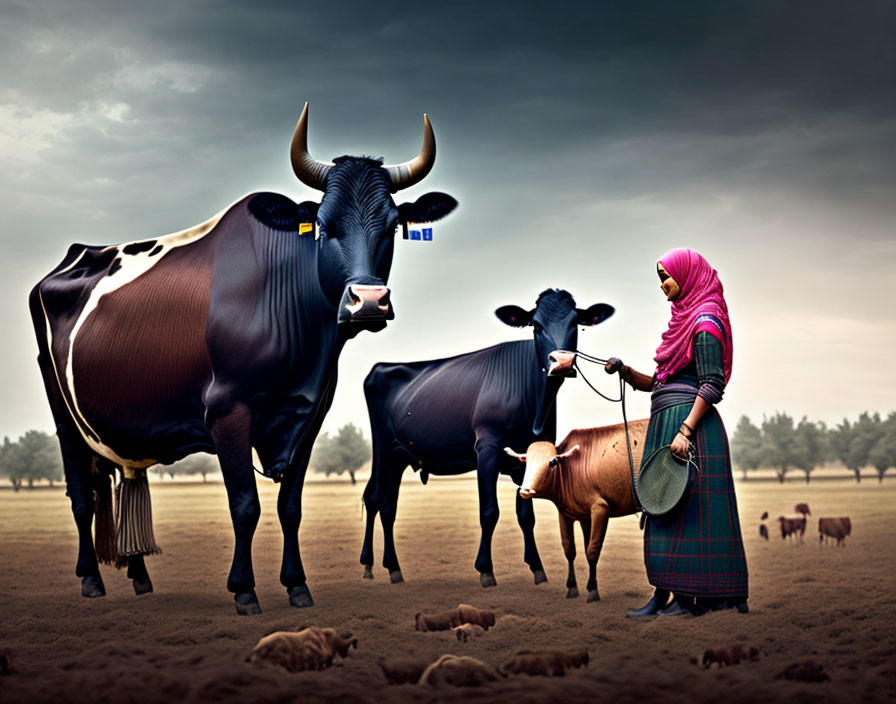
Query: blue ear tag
x=421, y=232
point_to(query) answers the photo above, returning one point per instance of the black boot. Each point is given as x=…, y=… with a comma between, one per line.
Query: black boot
x=652, y=607
x=680, y=606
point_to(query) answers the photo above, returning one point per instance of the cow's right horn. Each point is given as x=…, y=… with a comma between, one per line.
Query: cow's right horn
x=410, y=172
x=311, y=172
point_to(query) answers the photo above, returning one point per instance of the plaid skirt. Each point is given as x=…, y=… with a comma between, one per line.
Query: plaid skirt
x=697, y=551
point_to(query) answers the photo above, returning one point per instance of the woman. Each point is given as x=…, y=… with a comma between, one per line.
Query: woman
x=696, y=554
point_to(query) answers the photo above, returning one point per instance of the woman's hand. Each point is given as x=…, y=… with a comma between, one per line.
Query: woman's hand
x=679, y=446
x=613, y=365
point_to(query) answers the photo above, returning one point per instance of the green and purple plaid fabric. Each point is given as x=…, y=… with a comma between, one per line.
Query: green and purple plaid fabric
x=697, y=551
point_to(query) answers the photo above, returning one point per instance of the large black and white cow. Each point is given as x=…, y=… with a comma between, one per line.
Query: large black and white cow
x=451, y=416
x=223, y=338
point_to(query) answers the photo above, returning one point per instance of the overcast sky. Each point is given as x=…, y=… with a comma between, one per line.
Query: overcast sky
x=582, y=141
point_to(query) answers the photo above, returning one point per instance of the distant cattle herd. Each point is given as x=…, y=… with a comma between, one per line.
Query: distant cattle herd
x=835, y=530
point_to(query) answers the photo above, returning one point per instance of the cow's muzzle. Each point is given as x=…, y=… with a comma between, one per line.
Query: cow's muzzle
x=561, y=363
x=365, y=304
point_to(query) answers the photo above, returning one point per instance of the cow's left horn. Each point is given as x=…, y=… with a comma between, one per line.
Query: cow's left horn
x=311, y=172
x=413, y=171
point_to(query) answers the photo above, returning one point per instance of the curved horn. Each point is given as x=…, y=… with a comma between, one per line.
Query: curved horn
x=311, y=172
x=510, y=451
x=413, y=171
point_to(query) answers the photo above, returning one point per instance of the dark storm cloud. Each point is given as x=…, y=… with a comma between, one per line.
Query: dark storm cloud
x=588, y=122
x=731, y=91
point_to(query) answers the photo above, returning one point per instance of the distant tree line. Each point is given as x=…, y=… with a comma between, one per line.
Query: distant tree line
x=199, y=463
x=785, y=446
x=35, y=456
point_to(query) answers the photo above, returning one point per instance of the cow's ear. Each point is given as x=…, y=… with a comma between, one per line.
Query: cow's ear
x=514, y=316
x=595, y=314
x=427, y=208
x=306, y=211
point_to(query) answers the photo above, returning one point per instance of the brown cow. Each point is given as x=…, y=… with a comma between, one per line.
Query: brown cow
x=803, y=509
x=589, y=480
x=792, y=527
x=834, y=528
x=464, y=613
x=550, y=663
x=310, y=649
x=460, y=671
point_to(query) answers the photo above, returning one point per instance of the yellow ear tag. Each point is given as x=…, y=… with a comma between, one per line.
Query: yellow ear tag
x=305, y=228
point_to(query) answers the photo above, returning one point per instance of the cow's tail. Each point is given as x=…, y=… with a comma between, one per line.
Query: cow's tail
x=103, y=517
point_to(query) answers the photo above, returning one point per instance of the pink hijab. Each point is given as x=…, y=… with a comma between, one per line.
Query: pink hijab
x=699, y=307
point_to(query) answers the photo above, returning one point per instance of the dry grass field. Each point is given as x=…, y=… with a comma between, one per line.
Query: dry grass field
x=185, y=642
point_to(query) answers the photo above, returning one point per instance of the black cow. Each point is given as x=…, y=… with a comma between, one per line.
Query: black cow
x=451, y=416
x=223, y=338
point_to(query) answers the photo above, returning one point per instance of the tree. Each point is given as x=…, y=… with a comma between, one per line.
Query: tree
x=199, y=463
x=5, y=454
x=345, y=452
x=840, y=438
x=33, y=457
x=812, y=447
x=746, y=445
x=865, y=434
x=883, y=454
x=778, y=443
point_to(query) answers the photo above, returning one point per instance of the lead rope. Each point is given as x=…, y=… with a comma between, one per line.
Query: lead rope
x=621, y=401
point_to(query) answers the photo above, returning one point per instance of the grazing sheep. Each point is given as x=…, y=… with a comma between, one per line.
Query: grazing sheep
x=464, y=613
x=726, y=657
x=310, y=649
x=459, y=671
x=834, y=528
x=403, y=670
x=550, y=663
x=468, y=632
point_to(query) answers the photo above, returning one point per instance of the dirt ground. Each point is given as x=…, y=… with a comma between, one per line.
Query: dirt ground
x=185, y=642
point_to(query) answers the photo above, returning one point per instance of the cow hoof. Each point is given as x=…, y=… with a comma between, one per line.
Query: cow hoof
x=92, y=586
x=395, y=576
x=593, y=596
x=142, y=586
x=368, y=572
x=246, y=603
x=540, y=576
x=487, y=579
x=572, y=593
x=299, y=596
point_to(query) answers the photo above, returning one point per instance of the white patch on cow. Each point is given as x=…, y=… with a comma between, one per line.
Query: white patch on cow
x=132, y=266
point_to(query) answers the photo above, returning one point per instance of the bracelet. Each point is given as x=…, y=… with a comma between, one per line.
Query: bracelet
x=690, y=429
